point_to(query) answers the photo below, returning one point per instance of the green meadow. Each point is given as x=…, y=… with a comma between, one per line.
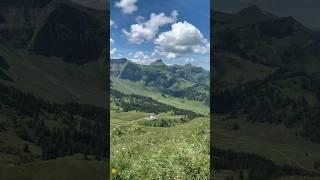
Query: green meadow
x=54, y=169
x=275, y=142
x=129, y=87
x=180, y=151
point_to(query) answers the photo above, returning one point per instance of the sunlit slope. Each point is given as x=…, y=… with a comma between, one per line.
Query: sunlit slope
x=129, y=87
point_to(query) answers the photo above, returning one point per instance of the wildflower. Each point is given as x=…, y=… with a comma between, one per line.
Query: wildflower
x=113, y=171
x=123, y=148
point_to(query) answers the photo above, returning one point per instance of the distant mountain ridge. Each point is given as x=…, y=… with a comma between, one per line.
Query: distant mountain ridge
x=158, y=62
x=266, y=67
x=172, y=80
x=261, y=37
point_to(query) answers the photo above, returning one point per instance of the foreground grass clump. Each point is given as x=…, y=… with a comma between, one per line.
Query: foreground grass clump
x=180, y=152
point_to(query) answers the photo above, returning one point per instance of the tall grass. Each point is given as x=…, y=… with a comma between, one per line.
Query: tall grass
x=180, y=152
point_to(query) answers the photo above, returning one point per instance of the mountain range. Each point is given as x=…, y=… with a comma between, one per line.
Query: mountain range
x=184, y=81
x=266, y=74
x=254, y=46
x=262, y=38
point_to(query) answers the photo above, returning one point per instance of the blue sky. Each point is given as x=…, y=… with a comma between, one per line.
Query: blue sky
x=176, y=31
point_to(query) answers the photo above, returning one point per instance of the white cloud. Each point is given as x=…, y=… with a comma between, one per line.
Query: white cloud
x=147, y=30
x=113, y=51
x=142, y=57
x=189, y=60
x=127, y=6
x=140, y=19
x=182, y=39
x=113, y=24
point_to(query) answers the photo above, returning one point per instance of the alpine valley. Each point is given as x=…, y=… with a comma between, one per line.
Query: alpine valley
x=53, y=86
x=159, y=121
x=265, y=96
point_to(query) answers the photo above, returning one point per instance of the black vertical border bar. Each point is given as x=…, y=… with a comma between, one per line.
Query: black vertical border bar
x=212, y=70
x=107, y=59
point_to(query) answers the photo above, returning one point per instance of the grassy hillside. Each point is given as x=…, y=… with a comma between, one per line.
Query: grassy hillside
x=138, y=88
x=53, y=79
x=280, y=144
x=139, y=154
x=174, y=146
x=51, y=169
x=230, y=68
x=123, y=118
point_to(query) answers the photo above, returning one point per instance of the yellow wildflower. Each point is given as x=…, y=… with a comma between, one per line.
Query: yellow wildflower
x=114, y=170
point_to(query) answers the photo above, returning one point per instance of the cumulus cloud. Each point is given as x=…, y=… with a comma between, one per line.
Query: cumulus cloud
x=113, y=24
x=182, y=39
x=189, y=60
x=147, y=30
x=142, y=57
x=113, y=51
x=127, y=6
x=140, y=19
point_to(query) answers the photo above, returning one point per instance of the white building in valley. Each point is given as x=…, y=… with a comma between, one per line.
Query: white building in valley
x=153, y=116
